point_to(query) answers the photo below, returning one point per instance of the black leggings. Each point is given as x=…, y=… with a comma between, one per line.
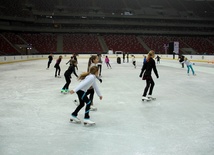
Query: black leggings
x=83, y=99
x=90, y=92
x=149, y=86
x=68, y=81
x=58, y=69
x=100, y=69
x=49, y=62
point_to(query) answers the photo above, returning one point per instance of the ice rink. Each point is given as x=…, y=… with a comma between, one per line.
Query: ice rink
x=34, y=115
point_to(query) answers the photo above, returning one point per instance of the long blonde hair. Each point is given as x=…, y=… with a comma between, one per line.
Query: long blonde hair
x=150, y=55
x=93, y=70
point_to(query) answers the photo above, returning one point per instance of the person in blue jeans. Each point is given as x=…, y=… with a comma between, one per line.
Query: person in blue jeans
x=189, y=66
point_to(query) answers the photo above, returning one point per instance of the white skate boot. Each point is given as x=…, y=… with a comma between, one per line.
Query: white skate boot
x=151, y=97
x=75, y=119
x=144, y=98
x=88, y=122
x=93, y=108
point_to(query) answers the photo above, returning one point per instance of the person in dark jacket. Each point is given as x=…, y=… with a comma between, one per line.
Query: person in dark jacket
x=50, y=58
x=181, y=59
x=67, y=74
x=145, y=74
x=57, y=66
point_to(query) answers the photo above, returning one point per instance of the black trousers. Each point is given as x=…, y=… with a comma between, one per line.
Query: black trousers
x=90, y=92
x=58, y=69
x=100, y=69
x=49, y=62
x=83, y=98
x=68, y=81
x=149, y=86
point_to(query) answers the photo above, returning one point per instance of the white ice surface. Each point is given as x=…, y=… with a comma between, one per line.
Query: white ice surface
x=34, y=115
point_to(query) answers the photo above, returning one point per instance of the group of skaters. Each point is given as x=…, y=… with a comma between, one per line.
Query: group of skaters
x=87, y=86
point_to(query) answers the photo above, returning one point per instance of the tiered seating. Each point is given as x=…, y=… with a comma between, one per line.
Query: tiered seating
x=199, y=44
x=81, y=43
x=13, y=38
x=43, y=43
x=6, y=48
x=156, y=43
x=125, y=43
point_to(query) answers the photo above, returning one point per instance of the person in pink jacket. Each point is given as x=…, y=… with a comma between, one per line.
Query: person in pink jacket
x=107, y=62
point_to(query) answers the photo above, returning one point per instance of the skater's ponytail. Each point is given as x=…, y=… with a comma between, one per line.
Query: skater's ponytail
x=93, y=70
x=150, y=55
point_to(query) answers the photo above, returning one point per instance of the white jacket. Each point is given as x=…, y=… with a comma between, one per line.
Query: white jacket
x=85, y=84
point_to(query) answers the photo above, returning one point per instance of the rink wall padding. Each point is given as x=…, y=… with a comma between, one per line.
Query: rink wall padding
x=21, y=58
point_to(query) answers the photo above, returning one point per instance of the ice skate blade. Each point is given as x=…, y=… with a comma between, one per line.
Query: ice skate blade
x=146, y=100
x=151, y=98
x=73, y=121
x=88, y=124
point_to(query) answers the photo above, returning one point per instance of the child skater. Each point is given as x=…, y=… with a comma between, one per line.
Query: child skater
x=88, y=80
x=189, y=66
x=146, y=72
x=58, y=69
x=73, y=57
x=107, y=62
x=93, y=61
x=133, y=61
x=99, y=64
x=67, y=74
x=50, y=58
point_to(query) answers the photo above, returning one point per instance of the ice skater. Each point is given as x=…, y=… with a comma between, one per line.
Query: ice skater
x=99, y=64
x=181, y=59
x=67, y=74
x=107, y=61
x=146, y=72
x=50, y=58
x=73, y=57
x=189, y=66
x=88, y=80
x=57, y=66
x=158, y=59
x=133, y=61
x=93, y=61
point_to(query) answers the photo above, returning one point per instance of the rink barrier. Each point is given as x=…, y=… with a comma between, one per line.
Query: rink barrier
x=21, y=58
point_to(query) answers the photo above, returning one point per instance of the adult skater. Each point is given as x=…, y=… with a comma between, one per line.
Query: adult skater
x=57, y=66
x=189, y=66
x=88, y=80
x=124, y=56
x=127, y=57
x=99, y=64
x=107, y=61
x=146, y=72
x=50, y=58
x=67, y=74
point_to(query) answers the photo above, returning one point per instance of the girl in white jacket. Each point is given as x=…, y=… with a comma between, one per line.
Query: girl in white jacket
x=88, y=80
x=189, y=66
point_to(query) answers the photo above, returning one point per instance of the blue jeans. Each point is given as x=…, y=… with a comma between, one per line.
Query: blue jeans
x=190, y=67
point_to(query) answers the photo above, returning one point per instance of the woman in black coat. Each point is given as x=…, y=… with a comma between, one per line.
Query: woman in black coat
x=145, y=74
